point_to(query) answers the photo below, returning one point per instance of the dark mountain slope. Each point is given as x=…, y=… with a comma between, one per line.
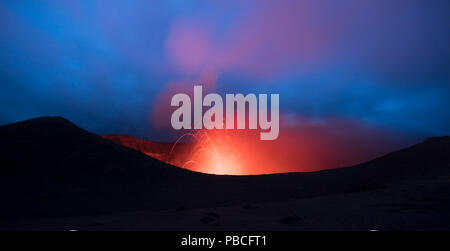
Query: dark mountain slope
x=50, y=167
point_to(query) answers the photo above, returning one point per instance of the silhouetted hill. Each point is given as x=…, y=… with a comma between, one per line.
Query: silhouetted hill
x=51, y=168
x=163, y=151
x=51, y=146
x=140, y=144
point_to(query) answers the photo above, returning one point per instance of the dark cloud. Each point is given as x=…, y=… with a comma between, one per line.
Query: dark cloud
x=104, y=63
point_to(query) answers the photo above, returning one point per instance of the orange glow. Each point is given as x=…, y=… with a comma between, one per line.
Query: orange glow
x=303, y=146
x=212, y=152
x=236, y=152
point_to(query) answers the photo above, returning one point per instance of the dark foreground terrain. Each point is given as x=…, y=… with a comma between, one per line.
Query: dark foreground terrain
x=56, y=176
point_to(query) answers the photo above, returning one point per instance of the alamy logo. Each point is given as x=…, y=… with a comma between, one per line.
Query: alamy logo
x=213, y=117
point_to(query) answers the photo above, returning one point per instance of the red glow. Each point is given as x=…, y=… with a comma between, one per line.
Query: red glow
x=303, y=146
x=212, y=151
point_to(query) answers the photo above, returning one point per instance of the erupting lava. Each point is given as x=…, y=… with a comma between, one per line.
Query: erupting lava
x=212, y=152
x=241, y=152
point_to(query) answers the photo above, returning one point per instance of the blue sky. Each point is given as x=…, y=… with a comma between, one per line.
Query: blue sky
x=102, y=64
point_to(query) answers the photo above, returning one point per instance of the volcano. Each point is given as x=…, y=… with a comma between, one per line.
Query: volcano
x=162, y=151
x=57, y=176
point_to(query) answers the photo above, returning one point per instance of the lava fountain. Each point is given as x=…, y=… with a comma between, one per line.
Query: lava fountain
x=212, y=151
x=305, y=148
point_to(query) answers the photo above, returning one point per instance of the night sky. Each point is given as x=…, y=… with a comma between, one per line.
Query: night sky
x=109, y=66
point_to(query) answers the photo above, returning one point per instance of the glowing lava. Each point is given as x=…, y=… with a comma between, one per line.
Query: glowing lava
x=305, y=148
x=212, y=152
